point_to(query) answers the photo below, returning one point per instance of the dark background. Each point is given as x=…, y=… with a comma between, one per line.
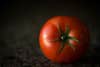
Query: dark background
x=22, y=20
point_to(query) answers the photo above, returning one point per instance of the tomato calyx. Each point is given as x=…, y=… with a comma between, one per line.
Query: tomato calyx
x=64, y=38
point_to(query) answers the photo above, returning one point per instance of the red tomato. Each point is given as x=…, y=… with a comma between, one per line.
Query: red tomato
x=64, y=39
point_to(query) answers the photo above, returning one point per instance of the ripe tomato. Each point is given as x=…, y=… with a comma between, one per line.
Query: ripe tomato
x=64, y=39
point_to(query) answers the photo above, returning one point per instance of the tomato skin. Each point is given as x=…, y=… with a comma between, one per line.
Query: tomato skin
x=50, y=31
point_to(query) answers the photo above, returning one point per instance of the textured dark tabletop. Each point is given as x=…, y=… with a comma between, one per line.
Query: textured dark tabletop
x=25, y=58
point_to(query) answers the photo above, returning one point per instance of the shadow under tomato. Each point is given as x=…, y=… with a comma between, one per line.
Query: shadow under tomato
x=93, y=58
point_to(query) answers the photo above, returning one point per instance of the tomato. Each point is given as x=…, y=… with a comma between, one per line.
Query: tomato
x=64, y=39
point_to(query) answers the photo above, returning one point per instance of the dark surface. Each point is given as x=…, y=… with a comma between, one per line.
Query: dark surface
x=22, y=20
